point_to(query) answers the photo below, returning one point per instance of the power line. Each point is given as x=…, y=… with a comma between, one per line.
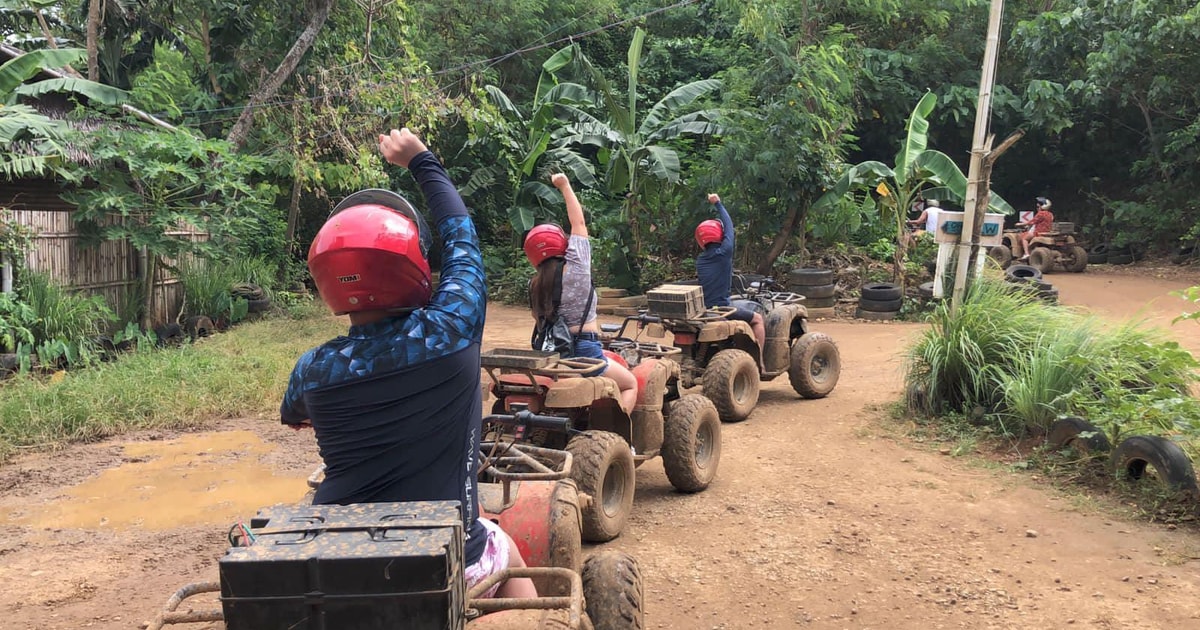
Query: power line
x=488, y=63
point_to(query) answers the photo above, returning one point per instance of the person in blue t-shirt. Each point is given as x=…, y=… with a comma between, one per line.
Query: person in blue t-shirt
x=396, y=402
x=714, y=267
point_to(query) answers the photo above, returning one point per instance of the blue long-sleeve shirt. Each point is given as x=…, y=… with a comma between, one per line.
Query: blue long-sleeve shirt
x=714, y=266
x=396, y=404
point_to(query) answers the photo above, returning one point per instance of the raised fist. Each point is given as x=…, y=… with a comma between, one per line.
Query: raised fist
x=400, y=146
x=714, y=198
x=560, y=180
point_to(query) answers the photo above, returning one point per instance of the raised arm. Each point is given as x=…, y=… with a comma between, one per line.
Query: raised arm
x=574, y=208
x=726, y=222
x=461, y=297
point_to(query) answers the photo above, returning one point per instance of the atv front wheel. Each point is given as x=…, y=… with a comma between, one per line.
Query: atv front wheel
x=815, y=366
x=731, y=383
x=603, y=470
x=692, y=443
x=612, y=590
x=1077, y=260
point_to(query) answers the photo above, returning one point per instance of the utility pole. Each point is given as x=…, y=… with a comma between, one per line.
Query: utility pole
x=972, y=214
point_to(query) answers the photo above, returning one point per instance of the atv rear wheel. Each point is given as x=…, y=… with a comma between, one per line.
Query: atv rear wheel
x=731, y=383
x=1042, y=259
x=815, y=366
x=603, y=470
x=612, y=590
x=692, y=443
x=1077, y=260
x=1001, y=254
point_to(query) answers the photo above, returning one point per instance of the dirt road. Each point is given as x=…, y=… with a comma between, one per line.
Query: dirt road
x=820, y=517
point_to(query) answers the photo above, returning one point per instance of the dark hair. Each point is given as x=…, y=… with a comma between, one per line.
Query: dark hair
x=546, y=287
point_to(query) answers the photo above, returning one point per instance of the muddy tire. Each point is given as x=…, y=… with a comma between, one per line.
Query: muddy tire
x=1023, y=272
x=692, y=443
x=815, y=365
x=809, y=277
x=881, y=306
x=875, y=316
x=1172, y=466
x=603, y=470
x=1120, y=259
x=731, y=382
x=1001, y=254
x=826, y=291
x=612, y=588
x=825, y=302
x=1077, y=260
x=1042, y=259
x=881, y=291
x=199, y=326
x=1079, y=434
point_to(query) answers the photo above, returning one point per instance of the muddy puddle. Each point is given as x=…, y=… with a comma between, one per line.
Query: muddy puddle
x=200, y=478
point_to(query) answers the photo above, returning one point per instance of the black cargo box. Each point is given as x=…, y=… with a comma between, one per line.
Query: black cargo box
x=374, y=566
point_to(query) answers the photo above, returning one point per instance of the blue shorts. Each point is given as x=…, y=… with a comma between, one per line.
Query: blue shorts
x=587, y=346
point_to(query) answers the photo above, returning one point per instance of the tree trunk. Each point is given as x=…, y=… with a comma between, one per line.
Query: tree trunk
x=93, y=40
x=293, y=216
x=780, y=242
x=149, y=268
x=270, y=86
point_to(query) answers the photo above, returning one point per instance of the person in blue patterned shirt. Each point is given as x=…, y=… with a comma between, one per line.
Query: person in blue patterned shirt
x=396, y=402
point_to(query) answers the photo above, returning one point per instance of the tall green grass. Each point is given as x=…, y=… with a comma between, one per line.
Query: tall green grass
x=1027, y=363
x=237, y=374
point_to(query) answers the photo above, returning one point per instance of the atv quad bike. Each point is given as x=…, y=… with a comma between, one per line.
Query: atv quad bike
x=575, y=411
x=525, y=489
x=722, y=355
x=1054, y=250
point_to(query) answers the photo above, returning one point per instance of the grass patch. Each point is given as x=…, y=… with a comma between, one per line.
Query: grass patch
x=236, y=374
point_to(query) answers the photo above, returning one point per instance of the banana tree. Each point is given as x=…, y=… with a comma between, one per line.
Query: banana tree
x=918, y=170
x=638, y=156
x=528, y=147
x=22, y=125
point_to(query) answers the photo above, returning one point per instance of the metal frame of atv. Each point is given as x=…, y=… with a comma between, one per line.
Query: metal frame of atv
x=552, y=402
x=509, y=464
x=722, y=355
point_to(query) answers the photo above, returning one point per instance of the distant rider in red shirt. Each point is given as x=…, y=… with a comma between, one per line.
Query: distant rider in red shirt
x=1041, y=223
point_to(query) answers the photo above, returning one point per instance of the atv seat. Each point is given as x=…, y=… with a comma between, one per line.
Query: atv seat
x=521, y=382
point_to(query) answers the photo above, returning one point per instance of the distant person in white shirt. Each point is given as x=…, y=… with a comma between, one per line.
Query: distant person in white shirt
x=928, y=217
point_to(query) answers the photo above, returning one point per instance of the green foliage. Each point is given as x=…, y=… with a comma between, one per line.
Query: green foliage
x=16, y=239
x=166, y=85
x=207, y=285
x=66, y=323
x=17, y=320
x=233, y=375
x=508, y=274
x=1027, y=363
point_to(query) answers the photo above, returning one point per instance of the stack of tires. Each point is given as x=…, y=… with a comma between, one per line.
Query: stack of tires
x=880, y=301
x=819, y=288
x=1111, y=254
x=1098, y=254
x=1029, y=278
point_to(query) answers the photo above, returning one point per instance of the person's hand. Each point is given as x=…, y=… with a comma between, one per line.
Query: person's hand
x=560, y=181
x=714, y=198
x=400, y=146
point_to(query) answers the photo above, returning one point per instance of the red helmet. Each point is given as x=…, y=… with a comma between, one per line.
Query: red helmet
x=545, y=241
x=371, y=255
x=709, y=231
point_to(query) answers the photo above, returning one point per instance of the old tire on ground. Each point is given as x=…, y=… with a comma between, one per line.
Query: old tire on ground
x=809, y=276
x=1077, y=260
x=1042, y=259
x=247, y=290
x=1001, y=254
x=731, y=383
x=1079, y=434
x=612, y=588
x=815, y=291
x=603, y=470
x=815, y=365
x=1098, y=259
x=1120, y=259
x=258, y=306
x=1023, y=272
x=1133, y=456
x=825, y=302
x=692, y=443
x=882, y=291
x=925, y=290
x=169, y=334
x=875, y=316
x=821, y=312
x=198, y=326
x=881, y=306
